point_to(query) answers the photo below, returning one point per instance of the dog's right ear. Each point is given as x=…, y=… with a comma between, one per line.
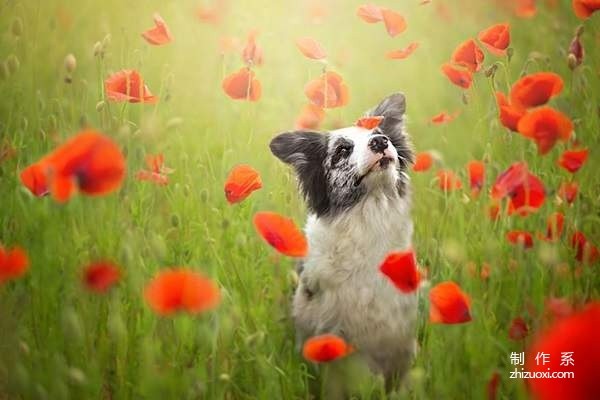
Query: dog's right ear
x=306, y=152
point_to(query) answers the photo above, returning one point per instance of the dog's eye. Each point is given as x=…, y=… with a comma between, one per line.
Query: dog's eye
x=341, y=152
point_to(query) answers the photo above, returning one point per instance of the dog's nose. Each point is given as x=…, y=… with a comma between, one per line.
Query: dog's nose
x=378, y=143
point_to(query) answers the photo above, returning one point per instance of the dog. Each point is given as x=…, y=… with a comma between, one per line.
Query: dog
x=355, y=183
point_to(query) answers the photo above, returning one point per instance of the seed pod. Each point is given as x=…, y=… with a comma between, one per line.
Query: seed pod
x=100, y=105
x=17, y=27
x=13, y=63
x=70, y=63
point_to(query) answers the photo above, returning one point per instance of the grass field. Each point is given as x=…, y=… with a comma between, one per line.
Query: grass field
x=60, y=341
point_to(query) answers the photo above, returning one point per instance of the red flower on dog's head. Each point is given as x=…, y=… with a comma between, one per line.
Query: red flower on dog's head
x=496, y=38
x=128, y=85
x=158, y=35
x=241, y=182
x=545, y=126
x=281, y=233
x=89, y=162
x=576, y=335
x=174, y=290
x=448, y=304
x=327, y=91
x=469, y=55
x=13, y=263
x=459, y=76
x=535, y=89
x=242, y=85
x=325, y=348
x=101, y=276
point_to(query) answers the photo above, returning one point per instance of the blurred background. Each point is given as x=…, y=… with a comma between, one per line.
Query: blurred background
x=57, y=341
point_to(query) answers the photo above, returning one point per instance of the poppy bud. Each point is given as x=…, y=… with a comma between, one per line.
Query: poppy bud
x=72, y=327
x=100, y=106
x=76, y=376
x=224, y=378
x=70, y=63
x=465, y=98
x=576, y=51
x=17, y=27
x=174, y=220
x=491, y=71
x=13, y=63
x=509, y=53
x=4, y=72
x=98, y=49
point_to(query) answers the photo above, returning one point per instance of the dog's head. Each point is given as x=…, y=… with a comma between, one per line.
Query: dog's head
x=336, y=170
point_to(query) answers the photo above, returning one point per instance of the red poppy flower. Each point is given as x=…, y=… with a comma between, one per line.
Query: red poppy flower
x=524, y=190
x=403, y=53
x=423, y=161
x=327, y=91
x=325, y=348
x=252, y=54
x=520, y=238
x=476, y=171
x=568, y=191
x=128, y=85
x=179, y=289
x=401, y=269
x=518, y=329
x=459, y=76
x=89, y=161
x=281, y=233
x=496, y=38
x=509, y=115
x=468, y=55
x=448, y=304
x=558, y=307
x=370, y=13
x=310, y=117
x=545, y=126
x=158, y=35
x=311, y=48
x=448, y=181
x=212, y=14
x=577, y=336
x=494, y=211
x=101, y=276
x=443, y=118
x=554, y=227
x=492, y=386
x=242, y=85
x=535, y=89
x=572, y=160
x=13, y=263
x=395, y=23
x=369, y=123
x=585, y=8
x=157, y=172
x=525, y=8
x=241, y=182
x=587, y=253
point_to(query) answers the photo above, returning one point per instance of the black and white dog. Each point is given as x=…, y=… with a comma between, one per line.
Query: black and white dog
x=357, y=190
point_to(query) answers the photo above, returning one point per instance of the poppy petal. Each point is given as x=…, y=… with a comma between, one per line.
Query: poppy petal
x=101, y=276
x=535, y=89
x=311, y=48
x=403, y=53
x=459, y=76
x=401, y=269
x=573, y=160
x=448, y=304
x=395, y=23
x=281, y=233
x=468, y=55
x=241, y=182
x=325, y=348
x=160, y=34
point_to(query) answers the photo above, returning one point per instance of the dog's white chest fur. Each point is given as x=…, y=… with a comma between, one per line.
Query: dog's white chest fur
x=342, y=291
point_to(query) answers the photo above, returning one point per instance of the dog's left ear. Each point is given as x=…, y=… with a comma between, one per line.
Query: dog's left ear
x=392, y=109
